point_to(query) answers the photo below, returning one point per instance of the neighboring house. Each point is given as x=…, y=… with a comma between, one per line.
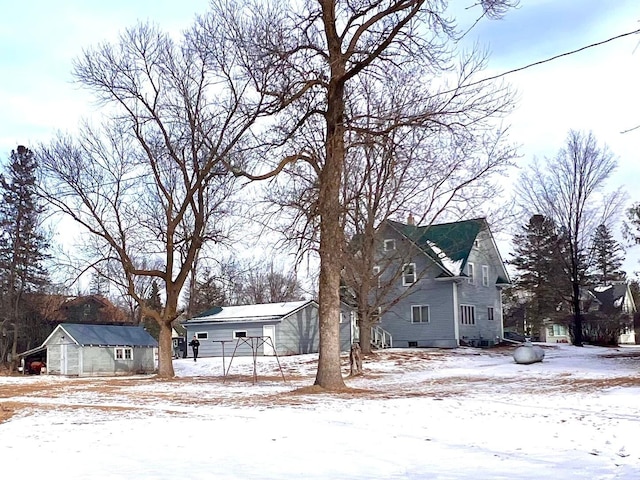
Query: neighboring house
x=95, y=350
x=610, y=301
x=291, y=326
x=89, y=309
x=449, y=279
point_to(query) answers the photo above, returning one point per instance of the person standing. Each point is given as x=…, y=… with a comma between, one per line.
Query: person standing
x=195, y=344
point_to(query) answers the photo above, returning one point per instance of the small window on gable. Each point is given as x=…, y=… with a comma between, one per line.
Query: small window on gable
x=408, y=274
x=389, y=244
x=471, y=273
x=376, y=275
x=476, y=243
x=239, y=333
x=485, y=275
x=202, y=335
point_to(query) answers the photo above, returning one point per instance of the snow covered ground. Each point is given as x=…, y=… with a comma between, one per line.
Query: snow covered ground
x=418, y=413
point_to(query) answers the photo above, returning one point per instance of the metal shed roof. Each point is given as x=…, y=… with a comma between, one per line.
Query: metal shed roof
x=107, y=335
x=249, y=313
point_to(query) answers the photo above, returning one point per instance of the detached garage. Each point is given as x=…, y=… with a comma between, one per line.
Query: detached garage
x=98, y=350
x=291, y=326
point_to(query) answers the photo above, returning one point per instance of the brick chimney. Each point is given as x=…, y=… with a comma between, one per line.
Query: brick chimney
x=22, y=149
x=410, y=219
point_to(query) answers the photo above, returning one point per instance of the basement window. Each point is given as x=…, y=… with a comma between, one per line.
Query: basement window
x=413, y=344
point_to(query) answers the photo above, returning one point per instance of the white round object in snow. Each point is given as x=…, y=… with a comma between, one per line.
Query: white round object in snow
x=528, y=353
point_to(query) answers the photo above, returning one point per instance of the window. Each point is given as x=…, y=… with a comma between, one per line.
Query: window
x=412, y=344
x=123, y=353
x=485, y=276
x=408, y=274
x=470, y=274
x=558, y=330
x=202, y=335
x=490, y=314
x=376, y=275
x=375, y=315
x=341, y=317
x=389, y=244
x=476, y=243
x=467, y=315
x=420, y=314
x=239, y=333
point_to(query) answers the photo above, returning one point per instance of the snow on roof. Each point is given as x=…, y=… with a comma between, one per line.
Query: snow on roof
x=603, y=288
x=452, y=265
x=260, y=310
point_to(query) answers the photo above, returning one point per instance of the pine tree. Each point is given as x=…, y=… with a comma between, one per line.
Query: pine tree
x=22, y=243
x=541, y=281
x=607, y=257
x=153, y=301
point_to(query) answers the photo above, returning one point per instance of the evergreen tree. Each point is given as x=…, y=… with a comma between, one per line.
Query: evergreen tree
x=153, y=301
x=607, y=257
x=22, y=243
x=541, y=281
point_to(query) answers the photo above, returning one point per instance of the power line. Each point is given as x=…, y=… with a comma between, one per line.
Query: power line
x=555, y=57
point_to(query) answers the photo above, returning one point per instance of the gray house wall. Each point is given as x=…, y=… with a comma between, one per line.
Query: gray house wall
x=444, y=297
x=437, y=294
x=483, y=296
x=212, y=347
x=297, y=333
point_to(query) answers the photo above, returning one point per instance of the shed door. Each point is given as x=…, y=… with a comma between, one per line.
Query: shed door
x=269, y=345
x=63, y=359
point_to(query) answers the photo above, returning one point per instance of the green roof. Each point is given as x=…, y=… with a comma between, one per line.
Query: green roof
x=454, y=239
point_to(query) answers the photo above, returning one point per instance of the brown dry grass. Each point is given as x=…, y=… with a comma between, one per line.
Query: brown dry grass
x=112, y=391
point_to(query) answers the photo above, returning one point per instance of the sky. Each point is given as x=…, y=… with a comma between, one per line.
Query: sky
x=595, y=90
x=415, y=414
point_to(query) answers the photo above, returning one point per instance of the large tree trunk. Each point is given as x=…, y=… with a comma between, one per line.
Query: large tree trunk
x=364, y=324
x=165, y=352
x=329, y=374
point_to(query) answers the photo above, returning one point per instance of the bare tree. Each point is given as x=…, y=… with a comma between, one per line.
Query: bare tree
x=311, y=54
x=407, y=172
x=567, y=189
x=149, y=185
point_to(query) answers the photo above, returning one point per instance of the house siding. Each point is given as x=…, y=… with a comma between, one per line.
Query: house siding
x=485, y=332
x=94, y=360
x=296, y=333
x=444, y=296
x=438, y=295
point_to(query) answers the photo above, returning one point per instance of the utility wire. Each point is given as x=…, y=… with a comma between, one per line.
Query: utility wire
x=555, y=57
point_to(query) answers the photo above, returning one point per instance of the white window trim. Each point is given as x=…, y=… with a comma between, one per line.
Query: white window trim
x=376, y=273
x=342, y=317
x=404, y=282
x=467, y=321
x=124, y=351
x=485, y=275
x=428, y=320
x=235, y=334
x=391, y=242
x=202, y=335
x=471, y=273
x=491, y=313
